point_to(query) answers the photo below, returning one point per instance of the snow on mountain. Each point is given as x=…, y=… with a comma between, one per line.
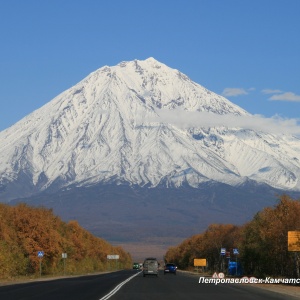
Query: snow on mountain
x=113, y=126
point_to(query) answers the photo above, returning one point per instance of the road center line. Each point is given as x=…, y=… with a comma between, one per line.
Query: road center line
x=118, y=287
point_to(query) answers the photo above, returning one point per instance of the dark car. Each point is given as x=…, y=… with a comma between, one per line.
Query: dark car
x=136, y=266
x=170, y=268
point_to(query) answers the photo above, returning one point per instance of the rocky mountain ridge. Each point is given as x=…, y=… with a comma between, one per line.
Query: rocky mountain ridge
x=139, y=123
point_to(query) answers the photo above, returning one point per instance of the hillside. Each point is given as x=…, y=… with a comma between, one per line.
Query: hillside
x=262, y=243
x=24, y=231
x=140, y=153
x=142, y=123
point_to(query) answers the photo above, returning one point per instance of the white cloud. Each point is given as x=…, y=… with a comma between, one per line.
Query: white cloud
x=288, y=96
x=185, y=119
x=281, y=95
x=233, y=92
x=270, y=91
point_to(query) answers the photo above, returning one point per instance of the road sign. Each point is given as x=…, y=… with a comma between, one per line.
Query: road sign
x=223, y=251
x=235, y=251
x=64, y=256
x=113, y=256
x=293, y=240
x=40, y=253
x=199, y=262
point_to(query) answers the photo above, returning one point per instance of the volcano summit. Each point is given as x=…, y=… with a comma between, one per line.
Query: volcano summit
x=141, y=130
x=144, y=124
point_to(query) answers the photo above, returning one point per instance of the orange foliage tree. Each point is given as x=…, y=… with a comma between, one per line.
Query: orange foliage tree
x=206, y=245
x=262, y=242
x=25, y=230
x=264, y=247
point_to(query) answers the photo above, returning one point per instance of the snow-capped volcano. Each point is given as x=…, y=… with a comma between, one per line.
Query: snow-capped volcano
x=140, y=122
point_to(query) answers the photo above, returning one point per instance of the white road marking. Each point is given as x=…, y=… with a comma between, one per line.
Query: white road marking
x=118, y=287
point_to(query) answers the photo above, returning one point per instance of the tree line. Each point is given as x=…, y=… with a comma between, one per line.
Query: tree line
x=24, y=231
x=262, y=243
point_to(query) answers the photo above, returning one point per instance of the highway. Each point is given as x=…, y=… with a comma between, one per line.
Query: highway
x=131, y=285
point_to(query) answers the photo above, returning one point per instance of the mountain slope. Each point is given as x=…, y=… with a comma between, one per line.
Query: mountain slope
x=114, y=126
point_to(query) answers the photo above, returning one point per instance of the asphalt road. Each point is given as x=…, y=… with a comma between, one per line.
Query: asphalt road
x=75, y=288
x=186, y=286
x=124, y=285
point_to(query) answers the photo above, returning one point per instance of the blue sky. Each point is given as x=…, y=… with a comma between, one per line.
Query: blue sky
x=246, y=50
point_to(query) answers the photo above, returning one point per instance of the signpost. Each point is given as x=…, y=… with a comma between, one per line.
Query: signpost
x=40, y=255
x=293, y=240
x=112, y=256
x=294, y=246
x=64, y=256
x=236, y=253
x=223, y=253
x=200, y=262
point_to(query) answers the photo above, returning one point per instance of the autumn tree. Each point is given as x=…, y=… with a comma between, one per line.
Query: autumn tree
x=262, y=242
x=206, y=245
x=264, y=239
x=25, y=230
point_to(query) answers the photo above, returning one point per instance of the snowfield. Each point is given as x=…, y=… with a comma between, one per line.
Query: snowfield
x=143, y=123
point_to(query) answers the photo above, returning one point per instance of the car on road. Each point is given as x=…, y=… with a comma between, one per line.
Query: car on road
x=170, y=268
x=136, y=266
x=150, y=266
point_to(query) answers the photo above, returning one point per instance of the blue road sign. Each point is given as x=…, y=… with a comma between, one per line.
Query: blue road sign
x=223, y=251
x=40, y=253
x=235, y=251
